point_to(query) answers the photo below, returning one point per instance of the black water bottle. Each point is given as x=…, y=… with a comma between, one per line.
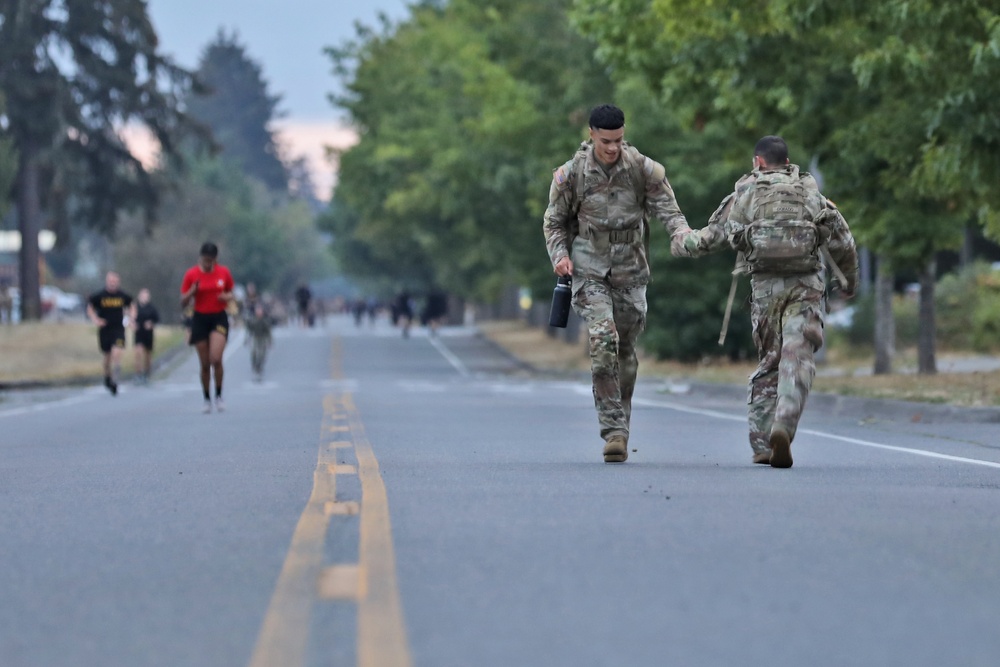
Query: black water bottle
x=561, y=297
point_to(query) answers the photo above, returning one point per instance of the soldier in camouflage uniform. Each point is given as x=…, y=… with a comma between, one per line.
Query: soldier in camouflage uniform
x=596, y=229
x=787, y=281
x=259, y=334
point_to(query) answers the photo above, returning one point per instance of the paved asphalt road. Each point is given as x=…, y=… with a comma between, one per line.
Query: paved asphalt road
x=379, y=501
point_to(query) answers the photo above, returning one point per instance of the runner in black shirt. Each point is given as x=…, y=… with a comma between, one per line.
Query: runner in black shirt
x=303, y=297
x=107, y=309
x=146, y=317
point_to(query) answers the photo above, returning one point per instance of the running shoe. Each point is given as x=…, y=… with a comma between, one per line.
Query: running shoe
x=207, y=407
x=219, y=404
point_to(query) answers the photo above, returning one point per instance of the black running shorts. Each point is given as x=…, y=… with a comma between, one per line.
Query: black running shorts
x=144, y=337
x=109, y=337
x=202, y=324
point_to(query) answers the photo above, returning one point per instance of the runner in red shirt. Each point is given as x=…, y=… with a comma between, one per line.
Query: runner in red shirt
x=210, y=285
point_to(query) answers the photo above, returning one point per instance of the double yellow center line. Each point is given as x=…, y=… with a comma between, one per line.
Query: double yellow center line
x=370, y=582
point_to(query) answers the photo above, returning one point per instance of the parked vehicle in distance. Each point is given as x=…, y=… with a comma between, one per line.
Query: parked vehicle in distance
x=56, y=299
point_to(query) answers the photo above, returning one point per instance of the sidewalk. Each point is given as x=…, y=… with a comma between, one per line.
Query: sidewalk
x=946, y=363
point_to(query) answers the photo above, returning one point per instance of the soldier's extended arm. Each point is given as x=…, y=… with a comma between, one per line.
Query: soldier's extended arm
x=555, y=224
x=710, y=238
x=718, y=234
x=837, y=237
x=661, y=202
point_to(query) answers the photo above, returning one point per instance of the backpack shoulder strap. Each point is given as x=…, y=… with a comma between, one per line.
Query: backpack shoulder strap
x=637, y=171
x=579, y=172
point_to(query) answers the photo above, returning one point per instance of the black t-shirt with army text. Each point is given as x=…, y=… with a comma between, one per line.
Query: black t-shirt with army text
x=110, y=307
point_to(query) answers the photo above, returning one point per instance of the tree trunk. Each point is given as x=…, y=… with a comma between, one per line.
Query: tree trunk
x=865, y=279
x=885, y=323
x=966, y=256
x=456, y=310
x=926, y=340
x=29, y=216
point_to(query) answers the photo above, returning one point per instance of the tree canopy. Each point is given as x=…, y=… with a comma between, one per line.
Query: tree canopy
x=239, y=110
x=464, y=109
x=456, y=110
x=891, y=98
x=72, y=74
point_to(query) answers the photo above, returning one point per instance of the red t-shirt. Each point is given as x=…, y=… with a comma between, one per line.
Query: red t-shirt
x=210, y=285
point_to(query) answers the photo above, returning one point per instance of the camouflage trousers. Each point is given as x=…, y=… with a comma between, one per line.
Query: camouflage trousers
x=258, y=353
x=615, y=318
x=787, y=318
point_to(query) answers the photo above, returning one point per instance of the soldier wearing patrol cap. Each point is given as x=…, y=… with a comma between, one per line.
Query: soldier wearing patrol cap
x=596, y=229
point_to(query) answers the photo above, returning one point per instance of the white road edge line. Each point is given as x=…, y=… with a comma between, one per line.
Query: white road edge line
x=447, y=354
x=87, y=395
x=822, y=434
x=41, y=407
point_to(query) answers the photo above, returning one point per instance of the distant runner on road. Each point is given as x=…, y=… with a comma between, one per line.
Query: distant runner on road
x=146, y=318
x=107, y=310
x=259, y=335
x=210, y=285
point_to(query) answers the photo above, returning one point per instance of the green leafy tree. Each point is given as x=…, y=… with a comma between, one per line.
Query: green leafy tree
x=239, y=111
x=449, y=187
x=937, y=68
x=72, y=74
x=859, y=86
x=441, y=207
x=945, y=59
x=463, y=112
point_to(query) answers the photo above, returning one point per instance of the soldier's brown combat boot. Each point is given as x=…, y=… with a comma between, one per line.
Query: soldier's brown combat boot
x=762, y=457
x=781, y=448
x=616, y=449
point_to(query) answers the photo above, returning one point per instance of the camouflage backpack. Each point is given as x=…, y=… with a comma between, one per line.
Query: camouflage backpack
x=782, y=237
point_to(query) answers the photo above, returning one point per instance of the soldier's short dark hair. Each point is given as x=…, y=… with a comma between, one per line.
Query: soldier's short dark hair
x=209, y=249
x=772, y=149
x=607, y=117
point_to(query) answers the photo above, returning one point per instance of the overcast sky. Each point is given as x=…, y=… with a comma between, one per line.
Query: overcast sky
x=286, y=38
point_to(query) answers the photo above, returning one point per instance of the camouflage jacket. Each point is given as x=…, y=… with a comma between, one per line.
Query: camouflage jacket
x=727, y=224
x=605, y=231
x=259, y=330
